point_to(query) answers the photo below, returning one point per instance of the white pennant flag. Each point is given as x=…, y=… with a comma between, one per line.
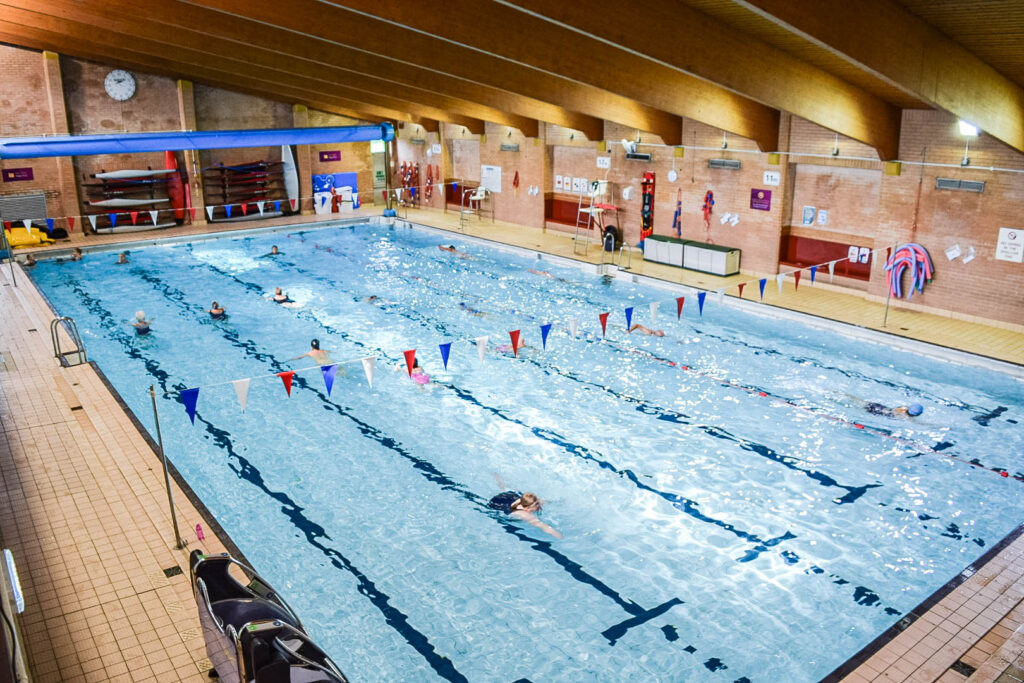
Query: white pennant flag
x=259, y=205
x=574, y=326
x=242, y=391
x=369, y=363
x=209, y=212
x=831, y=270
x=28, y=224
x=778, y=280
x=721, y=294
x=92, y=222
x=654, y=312
x=152, y=217
x=481, y=347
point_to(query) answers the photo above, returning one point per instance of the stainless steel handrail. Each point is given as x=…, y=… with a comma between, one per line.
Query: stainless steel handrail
x=75, y=356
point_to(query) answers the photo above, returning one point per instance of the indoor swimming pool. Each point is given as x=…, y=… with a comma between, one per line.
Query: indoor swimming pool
x=730, y=510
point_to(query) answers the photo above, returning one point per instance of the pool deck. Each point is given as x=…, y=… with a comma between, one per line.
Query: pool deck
x=86, y=515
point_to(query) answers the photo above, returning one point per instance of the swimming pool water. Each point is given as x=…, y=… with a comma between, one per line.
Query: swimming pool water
x=724, y=517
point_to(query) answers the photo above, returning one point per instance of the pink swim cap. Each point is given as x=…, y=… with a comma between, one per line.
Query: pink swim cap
x=421, y=378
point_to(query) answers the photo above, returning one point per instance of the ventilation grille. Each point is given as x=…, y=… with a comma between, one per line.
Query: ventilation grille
x=20, y=207
x=730, y=164
x=965, y=185
x=638, y=156
x=417, y=141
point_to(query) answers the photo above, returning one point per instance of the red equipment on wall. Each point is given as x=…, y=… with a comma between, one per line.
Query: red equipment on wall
x=429, y=190
x=647, y=205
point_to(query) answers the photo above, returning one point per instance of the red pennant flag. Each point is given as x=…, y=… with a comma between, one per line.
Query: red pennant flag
x=135, y=217
x=680, y=300
x=8, y=226
x=245, y=209
x=71, y=223
x=295, y=204
x=286, y=377
x=741, y=286
x=410, y=360
x=796, y=280
x=192, y=210
x=514, y=336
x=604, y=323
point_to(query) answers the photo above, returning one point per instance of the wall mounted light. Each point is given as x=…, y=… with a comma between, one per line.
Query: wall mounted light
x=968, y=130
x=835, y=146
x=725, y=141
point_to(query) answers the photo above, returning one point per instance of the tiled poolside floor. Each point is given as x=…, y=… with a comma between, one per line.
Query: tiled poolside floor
x=85, y=511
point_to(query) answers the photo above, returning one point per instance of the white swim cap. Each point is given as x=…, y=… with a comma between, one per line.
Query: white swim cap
x=140, y=315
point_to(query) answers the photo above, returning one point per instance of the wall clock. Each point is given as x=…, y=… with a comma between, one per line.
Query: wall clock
x=119, y=84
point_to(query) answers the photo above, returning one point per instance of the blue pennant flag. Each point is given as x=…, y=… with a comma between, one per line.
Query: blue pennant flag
x=113, y=219
x=762, y=282
x=277, y=205
x=49, y=226
x=814, y=271
x=412, y=192
x=329, y=372
x=190, y=397
x=629, y=317
x=700, y=302
x=455, y=188
x=446, y=349
x=545, y=330
x=227, y=207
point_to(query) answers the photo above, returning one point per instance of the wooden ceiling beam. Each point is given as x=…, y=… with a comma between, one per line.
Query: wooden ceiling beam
x=717, y=52
x=887, y=41
x=189, y=23
x=336, y=25
x=200, y=67
x=522, y=38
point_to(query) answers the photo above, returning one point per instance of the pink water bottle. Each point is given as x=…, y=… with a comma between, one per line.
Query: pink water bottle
x=199, y=532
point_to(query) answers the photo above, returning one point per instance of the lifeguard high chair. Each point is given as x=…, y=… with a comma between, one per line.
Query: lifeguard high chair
x=592, y=215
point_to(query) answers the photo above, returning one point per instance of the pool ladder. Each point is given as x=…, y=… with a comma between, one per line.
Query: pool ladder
x=75, y=356
x=610, y=258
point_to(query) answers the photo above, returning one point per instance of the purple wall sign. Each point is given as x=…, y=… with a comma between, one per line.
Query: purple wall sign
x=333, y=155
x=761, y=200
x=13, y=174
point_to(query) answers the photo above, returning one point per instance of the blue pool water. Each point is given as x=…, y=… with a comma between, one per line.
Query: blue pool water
x=724, y=517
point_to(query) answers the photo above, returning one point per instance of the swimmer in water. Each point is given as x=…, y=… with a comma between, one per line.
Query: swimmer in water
x=321, y=356
x=637, y=327
x=451, y=248
x=280, y=297
x=217, y=311
x=76, y=254
x=122, y=258
x=469, y=309
x=273, y=252
x=418, y=375
x=141, y=325
x=30, y=261
x=912, y=410
x=521, y=506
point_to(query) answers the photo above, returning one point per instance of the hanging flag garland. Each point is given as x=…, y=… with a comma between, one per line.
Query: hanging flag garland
x=629, y=317
x=329, y=371
x=410, y=360
x=604, y=324
x=545, y=330
x=286, y=378
x=680, y=300
x=446, y=349
x=190, y=397
x=700, y=302
x=514, y=337
x=761, y=283
x=369, y=364
x=242, y=391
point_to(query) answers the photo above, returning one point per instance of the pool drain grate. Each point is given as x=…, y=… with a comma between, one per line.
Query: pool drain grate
x=964, y=669
x=173, y=571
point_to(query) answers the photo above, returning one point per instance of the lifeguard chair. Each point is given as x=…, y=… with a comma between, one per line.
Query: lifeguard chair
x=595, y=214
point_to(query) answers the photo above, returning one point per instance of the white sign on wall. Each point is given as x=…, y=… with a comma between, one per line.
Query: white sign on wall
x=604, y=162
x=1010, y=246
x=435, y=148
x=772, y=178
x=558, y=182
x=490, y=178
x=822, y=216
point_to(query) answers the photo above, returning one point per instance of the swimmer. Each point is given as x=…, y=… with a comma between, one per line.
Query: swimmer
x=521, y=506
x=122, y=258
x=451, y=248
x=319, y=355
x=507, y=348
x=217, y=311
x=637, y=327
x=273, y=252
x=76, y=254
x=469, y=309
x=30, y=261
x=912, y=410
x=280, y=297
x=141, y=325
x=417, y=374
x=542, y=273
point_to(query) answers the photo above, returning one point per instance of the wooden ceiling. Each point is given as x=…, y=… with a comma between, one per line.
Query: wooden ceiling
x=731, y=64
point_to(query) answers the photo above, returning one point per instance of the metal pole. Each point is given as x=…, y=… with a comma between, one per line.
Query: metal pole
x=888, y=296
x=167, y=476
x=10, y=253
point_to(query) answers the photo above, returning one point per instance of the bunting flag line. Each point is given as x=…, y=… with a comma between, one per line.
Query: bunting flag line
x=191, y=212
x=134, y=216
x=680, y=300
x=778, y=280
x=831, y=271
x=227, y=207
x=329, y=371
x=741, y=286
x=190, y=397
x=629, y=317
x=654, y=312
x=245, y=208
x=796, y=280
x=294, y=203
x=113, y=219
x=49, y=225
x=286, y=378
x=481, y=347
x=242, y=391
x=410, y=360
x=762, y=282
x=720, y=292
x=209, y=212
x=446, y=349
x=71, y=223
x=700, y=302
x=604, y=323
x=92, y=222
x=814, y=271
x=152, y=216
x=27, y=222
x=369, y=363
x=277, y=205
x=259, y=205
x=514, y=336
x=545, y=330
x=574, y=326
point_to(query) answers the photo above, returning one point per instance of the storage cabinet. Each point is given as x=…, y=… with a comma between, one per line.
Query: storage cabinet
x=706, y=258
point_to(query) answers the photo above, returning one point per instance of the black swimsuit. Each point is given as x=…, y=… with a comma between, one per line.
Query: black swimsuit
x=504, y=501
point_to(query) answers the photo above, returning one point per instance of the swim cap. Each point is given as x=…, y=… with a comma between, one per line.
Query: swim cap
x=315, y=343
x=140, y=315
x=914, y=409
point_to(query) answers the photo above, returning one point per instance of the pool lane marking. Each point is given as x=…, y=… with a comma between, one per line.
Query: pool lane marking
x=312, y=531
x=639, y=614
x=861, y=595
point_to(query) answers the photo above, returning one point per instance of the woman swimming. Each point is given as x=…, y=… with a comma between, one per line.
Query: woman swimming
x=281, y=298
x=217, y=311
x=141, y=325
x=521, y=506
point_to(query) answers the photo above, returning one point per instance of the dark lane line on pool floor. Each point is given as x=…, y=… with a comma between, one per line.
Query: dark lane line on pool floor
x=861, y=594
x=639, y=614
